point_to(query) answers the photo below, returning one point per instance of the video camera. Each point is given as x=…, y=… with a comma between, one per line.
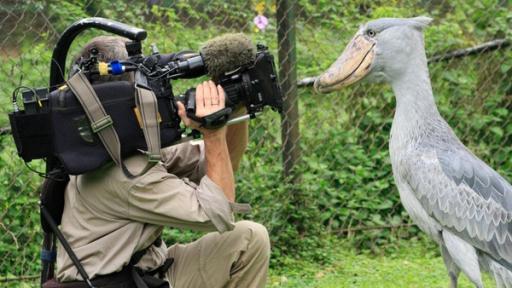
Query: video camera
x=56, y=124
x=253, y=84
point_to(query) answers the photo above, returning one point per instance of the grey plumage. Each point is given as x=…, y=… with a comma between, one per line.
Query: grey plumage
x=453, y=196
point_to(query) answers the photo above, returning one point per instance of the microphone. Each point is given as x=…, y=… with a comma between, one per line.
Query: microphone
x=218, y=56
x=226, y=53
x=245, y=72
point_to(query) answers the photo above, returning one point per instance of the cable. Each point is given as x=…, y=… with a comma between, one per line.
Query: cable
x=41, y=174
x=15, y=105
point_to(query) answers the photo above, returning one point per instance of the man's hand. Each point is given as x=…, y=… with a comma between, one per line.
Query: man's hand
x=209, y=99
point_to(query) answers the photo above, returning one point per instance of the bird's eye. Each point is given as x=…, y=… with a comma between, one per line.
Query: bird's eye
x=370, y=33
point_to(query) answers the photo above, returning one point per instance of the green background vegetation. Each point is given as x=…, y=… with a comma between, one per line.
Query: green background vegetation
x=316, y=226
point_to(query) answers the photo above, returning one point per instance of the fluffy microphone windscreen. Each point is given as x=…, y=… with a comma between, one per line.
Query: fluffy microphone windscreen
x=226, y=53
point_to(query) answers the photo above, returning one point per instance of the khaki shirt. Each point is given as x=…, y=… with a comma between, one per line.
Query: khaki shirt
x=108, y=217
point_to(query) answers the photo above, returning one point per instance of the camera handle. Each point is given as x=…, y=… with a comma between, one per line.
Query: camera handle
x=61, y=48
x=214, y=120
x=242, y=118
x=196, y=134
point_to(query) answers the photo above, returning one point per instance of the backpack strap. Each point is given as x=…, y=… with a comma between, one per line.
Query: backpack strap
x=102, y=124
x=147, y=103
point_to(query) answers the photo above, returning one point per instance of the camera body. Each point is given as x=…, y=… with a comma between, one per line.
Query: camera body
x=254, y=85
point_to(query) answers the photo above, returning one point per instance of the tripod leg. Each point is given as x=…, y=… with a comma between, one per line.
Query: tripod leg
x=47, y=257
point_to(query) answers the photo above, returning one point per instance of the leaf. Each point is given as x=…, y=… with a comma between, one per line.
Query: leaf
x=384, y=204
x=498, y=131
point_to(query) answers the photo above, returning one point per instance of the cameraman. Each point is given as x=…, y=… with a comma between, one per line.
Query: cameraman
x=108, y=218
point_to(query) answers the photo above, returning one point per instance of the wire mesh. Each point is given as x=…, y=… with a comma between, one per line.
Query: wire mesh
x=345, y=175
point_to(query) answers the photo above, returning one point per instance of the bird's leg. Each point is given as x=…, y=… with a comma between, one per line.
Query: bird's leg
x=453, y=279
x=464, y=256
x=453, y=270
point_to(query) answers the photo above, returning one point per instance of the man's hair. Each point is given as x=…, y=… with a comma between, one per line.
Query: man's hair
x=109, y=48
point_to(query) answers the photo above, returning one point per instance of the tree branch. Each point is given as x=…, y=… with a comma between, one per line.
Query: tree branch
x=19, y=278
x=369, y=228
x=5, y=130
x=482, y=48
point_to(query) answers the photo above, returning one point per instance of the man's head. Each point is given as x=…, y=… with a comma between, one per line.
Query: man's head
x=109, y=48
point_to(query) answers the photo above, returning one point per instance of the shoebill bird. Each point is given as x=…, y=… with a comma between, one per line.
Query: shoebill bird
x=452, y=195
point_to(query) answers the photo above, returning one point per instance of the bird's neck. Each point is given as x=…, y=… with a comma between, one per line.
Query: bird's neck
x=413, y=90
x=416, y=116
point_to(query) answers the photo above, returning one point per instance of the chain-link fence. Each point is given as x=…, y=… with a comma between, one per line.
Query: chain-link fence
x=332, y=174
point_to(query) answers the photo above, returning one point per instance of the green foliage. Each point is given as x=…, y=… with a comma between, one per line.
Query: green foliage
x=19, y=225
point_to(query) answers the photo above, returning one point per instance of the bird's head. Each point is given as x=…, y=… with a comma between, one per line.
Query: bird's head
x=380, y=50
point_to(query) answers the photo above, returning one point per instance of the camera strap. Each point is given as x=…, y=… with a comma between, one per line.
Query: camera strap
x=214, y=120
x=102, y=124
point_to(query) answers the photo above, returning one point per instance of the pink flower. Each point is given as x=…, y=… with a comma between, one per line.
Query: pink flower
x=261, y=22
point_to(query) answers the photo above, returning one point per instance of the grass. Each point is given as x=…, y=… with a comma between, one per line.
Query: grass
x=415, y=264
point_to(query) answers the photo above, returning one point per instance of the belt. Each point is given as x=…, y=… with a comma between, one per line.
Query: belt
x=121, y=279
x=129, y=277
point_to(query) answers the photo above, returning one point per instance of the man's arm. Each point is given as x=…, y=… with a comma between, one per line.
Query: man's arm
x=187, y=159
x=210, y=99
x=218, y=164
x=237, y=137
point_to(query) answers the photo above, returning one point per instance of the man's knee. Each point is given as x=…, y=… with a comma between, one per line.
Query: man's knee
x=258, y=235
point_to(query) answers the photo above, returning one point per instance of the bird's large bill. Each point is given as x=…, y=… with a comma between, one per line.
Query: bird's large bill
x=351, y=66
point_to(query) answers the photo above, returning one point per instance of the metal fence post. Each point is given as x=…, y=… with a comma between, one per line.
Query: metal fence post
x=288, y=77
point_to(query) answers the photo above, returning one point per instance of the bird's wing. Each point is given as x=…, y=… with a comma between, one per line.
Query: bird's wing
x=466, y=196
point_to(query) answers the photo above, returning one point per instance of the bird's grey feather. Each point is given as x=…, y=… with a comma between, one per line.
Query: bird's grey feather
x=464, y=195
x=501, y=274
x=463, y=167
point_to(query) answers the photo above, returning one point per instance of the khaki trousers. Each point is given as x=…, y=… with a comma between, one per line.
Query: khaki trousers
x=238, y=258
